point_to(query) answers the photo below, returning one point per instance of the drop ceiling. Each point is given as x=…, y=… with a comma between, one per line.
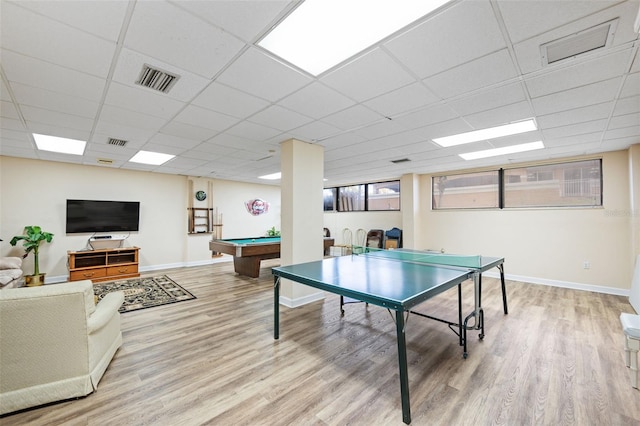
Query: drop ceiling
x=69, y=69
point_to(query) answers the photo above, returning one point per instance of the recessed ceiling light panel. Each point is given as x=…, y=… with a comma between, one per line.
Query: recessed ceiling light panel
x=489, y=133
x=272, y=176
x=320, y=34
x=503, y=151
x=60, y=145
x=152, y=158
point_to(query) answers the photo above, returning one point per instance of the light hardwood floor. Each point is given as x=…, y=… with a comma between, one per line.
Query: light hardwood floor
x=556, y=359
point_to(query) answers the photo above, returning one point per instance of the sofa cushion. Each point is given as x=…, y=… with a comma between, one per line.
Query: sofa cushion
x=10, y=263
x=8, y=275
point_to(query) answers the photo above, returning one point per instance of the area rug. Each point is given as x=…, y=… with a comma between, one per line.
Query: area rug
x=141, y=293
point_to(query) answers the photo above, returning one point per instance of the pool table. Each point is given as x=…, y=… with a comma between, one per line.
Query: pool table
x=248, y=252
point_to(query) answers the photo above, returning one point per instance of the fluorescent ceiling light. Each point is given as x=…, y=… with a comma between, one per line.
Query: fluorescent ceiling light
x=61, y=145
x=502, y=151
x=153, y=158
x=490, y=133
x=272, y=176
x=320, y=34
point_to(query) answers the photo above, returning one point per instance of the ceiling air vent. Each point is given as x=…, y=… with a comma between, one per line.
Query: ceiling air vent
x=585, y=41
x=156, y=79
x=402, y=160
x=104, y=161
x=116, y=142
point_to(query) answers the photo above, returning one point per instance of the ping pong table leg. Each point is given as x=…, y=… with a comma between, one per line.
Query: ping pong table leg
x=504, y=290
x=404, y=374
x=276, y=307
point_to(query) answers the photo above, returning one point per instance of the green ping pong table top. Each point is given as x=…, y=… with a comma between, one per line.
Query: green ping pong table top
x=383, y=282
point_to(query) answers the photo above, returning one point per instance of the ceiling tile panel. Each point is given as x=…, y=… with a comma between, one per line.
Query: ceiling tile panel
x=465, y=31
x=257, y=73
x=36, y=73
x=53, y=101
x=130, y=64
x=574, y=116
x=200, y=47
x=502, y=115
x=316, y=100
x=280, y=118
x=143, y=99
x=188, y=131
x=627, y=105
x=101, y=18
x=580, y=74
x=368, y=76
x=206, y=118
x=574, y=98
x=218, y=97
x=353, y=117
x=245, y=19
x=528, y=51
x=35, y=115
x=252, y=131
x=488, y=99
x=407, y=98
x=526, y=19
x=486, y=71
x=37, y=36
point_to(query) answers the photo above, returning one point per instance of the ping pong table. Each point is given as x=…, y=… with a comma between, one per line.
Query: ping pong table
x=398, y=280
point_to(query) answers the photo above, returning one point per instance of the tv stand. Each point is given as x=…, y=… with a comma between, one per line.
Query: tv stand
x=103, y=264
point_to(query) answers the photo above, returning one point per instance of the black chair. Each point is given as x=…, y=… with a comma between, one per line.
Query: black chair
x=375, y=238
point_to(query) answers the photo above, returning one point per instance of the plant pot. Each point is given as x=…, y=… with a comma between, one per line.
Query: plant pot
x=34, y=280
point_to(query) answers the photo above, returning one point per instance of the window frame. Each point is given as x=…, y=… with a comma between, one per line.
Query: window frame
x=502, y=186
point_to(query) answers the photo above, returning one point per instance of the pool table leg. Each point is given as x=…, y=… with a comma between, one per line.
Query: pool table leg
x=247, y=265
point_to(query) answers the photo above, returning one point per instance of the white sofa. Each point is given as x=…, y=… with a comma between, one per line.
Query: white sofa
x=10, y=272
x=55, y=342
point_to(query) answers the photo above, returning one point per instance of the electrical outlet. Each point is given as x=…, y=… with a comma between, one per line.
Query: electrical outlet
x=586, y=264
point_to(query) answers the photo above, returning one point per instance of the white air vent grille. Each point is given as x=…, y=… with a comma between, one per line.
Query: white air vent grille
x=116, y=142
x=594, y=38
x=156, y=79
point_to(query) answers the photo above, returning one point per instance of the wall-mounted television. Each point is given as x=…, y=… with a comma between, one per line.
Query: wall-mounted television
x=102, y=216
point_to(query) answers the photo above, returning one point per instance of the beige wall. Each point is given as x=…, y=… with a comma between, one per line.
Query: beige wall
x=34, y=192
x=540, y=245
x=545, y=245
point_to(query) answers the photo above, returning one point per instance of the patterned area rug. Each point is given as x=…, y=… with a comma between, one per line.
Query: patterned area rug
x=141, y=293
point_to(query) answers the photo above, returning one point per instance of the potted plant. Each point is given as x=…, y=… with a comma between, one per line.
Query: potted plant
x=33, y=236
x=272, y=232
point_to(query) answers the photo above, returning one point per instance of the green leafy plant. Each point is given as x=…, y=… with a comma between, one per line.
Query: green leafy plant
x=33, y=236
x=272, y=232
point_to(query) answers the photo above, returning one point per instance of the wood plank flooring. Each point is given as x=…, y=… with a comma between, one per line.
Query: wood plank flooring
x=556, y=359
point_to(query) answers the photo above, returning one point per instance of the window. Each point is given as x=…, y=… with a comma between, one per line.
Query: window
x=554, y=185
x=329, y=195
x=379, y=196
x=570, y=184
x=351, y=198
x=465, y=191
x=384, y=196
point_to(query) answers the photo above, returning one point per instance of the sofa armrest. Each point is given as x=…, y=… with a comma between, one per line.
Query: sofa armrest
x=105, y=310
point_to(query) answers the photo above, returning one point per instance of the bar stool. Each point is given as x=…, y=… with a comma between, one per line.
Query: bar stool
x=631, y=329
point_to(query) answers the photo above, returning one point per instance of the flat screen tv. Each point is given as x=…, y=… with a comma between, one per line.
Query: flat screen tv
x=102, y=216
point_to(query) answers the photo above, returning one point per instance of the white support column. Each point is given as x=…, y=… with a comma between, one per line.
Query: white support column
x=302, y=220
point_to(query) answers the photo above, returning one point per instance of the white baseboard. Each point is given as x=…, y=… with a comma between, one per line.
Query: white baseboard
x=561, y=284
x=294, y=303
